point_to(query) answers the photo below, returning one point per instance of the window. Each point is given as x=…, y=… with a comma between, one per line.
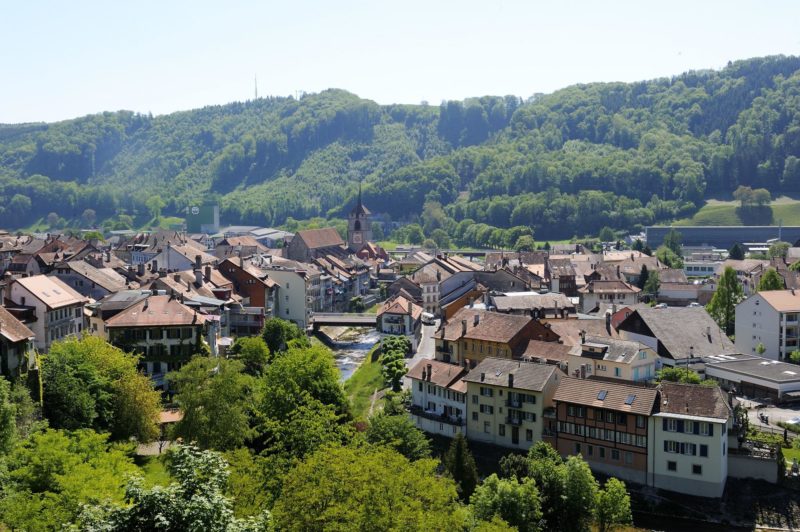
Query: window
x=486, y=392
x=528, y=435
x=704, y=428
x=697, y=469
x=671, y=446
x=487, y=409
x=609, y=417
x=474, y=416
x=672, y=466
x=617, y=372
x=689, y=449
x=602, y=395
x=703, y=450
x=419, y=386
x=628, y=457
x=688, y=427
x=487, y=427
x=640, y=422
x=577, y=448
x=589, y=450
x=474, y=399
x=642, y=355
x=602, y=452
x=614, y=454
x=622, y=419
x=630, y=399
x=501, y=430
x=598, y=415
x=671, y=425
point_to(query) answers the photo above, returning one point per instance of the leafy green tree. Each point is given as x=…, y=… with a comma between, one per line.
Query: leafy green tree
x=252, y=352
x=794, y=357
x=366, y=488
x=414, y=234
x=514, y=465
x=669, y=257
x=93, y=235
x=516, y=502
x=672, y=240
x=88, y=217
x=155, y=204
x=643, y=275
x=89, y=383
x=778, y=250
x=460, y=466
x=53, y=473
x=525, y=243
x=277, y=334
x=196, y=501
x=770, y=280
x=613, y=506
x=736, y=252
x=399, y=433
x=580, y=489
x=8, y=417
x=683, y=375
x=216, y=398
x=637, y=245
x=393, y=369
x=52, y=220
x=653, y=284
x=607, y=234
x=760, y=349
x=441, y=238
x=723, y=303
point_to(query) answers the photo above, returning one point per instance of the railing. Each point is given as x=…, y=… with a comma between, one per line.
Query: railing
x=549, y=412
x=514, y=421
x=514, y=403
x=443, y=418
x=548, y=433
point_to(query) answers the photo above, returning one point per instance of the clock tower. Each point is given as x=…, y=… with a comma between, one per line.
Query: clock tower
x=359, y=225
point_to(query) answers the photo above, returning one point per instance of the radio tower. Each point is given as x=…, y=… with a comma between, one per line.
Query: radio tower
x=255, y=79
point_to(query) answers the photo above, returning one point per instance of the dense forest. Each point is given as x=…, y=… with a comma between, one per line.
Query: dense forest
x=621, y=155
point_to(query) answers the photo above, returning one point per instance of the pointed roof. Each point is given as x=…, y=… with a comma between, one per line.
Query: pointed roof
x=359, y=209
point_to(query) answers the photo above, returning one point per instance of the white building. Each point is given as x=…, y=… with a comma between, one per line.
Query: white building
x=690, y=437
x=399, y=315
x=58, y=309
x=771, y=319
x=610, y=292
x=438, y=397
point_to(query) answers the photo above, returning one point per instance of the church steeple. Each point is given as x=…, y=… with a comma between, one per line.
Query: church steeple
x=359, y=226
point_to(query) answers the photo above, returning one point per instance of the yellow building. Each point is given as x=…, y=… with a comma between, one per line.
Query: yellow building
x=507, y=399
x=597, y=356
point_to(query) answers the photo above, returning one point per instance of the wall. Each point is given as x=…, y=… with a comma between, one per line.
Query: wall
x=742, y=466
x=475, y=427
x=722, y=236
x=766, y=330
x=290, y=298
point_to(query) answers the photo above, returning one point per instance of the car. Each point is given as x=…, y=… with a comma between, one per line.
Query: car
x=694, y=304
x=661, y=305
x=794, y=421
x=428, y=318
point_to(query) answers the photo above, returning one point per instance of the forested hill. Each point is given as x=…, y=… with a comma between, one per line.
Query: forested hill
x=616, y=154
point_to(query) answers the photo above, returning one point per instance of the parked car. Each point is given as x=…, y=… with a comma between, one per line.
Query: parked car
x=428, y=318
x=694, y=304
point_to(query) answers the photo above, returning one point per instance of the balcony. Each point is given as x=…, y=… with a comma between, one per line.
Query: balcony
x=513, y=403
x=516, y=421
x=547, y=433
x=549, y=412
x=442, y=418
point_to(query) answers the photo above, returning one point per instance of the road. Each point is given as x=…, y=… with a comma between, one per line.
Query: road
x=425, y=350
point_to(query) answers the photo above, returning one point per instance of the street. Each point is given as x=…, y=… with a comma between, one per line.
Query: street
x=425, y=350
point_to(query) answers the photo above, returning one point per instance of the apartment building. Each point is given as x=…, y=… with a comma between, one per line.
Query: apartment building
x=618, y=359
x=507, y=400
x=438, y=397
x=608, y=423
x=399, y=315
x=16, y=344
x=56, y=310
x=597, y=292
x=690, y=435
x=770, y=319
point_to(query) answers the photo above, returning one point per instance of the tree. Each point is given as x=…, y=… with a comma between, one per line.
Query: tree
x=516, y=502
x=668, y=257
x=216, y=399
x=93, y=235
x=637, y=245
x=460, y=465
x=414, y=234
x=252, y=352
x=736, y=252
x=399, y=433
x=52, y=220
x=770, y=280
x=744, y=195
x=89, y=383
x=607, y=235
x=672, y=240
x=794, y=357
x=196, y=501
x=441, y=238
x=682, y=375
x=723, y=303
x=525, y=243
x=155, y=204
x=365, y=488
x=52, y=473
x=643, y=274
x=88, y=217
x=653, y=284
x=8, y=417
x=760, y=349
x=514, y=466
x=778, y=250
x=277, y=334
x=581, y=495
x=613, y=506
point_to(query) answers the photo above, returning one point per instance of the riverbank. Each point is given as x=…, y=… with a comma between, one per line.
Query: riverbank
x=366, y=386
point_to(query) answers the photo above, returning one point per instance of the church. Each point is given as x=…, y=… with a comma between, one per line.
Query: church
x=359, y=225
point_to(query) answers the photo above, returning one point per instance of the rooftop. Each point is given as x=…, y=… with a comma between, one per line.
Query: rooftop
x=615, y=396
x=693, y=400
x=491, y=326
x=162, y=311
x=782, y=300
x=527, y=375
x=51, y=291
x=755, y=366
x=12, y=329
x=320, y=238
x=442, y=373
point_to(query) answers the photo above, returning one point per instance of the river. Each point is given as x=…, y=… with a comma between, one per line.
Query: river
x=349, y=354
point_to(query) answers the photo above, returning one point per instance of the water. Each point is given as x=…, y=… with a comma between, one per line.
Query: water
x=349, y=355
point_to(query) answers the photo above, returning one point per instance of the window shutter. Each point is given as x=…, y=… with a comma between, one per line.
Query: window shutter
x=710, y=429
x=665, y=446
x=680, y=425
x=664, y=420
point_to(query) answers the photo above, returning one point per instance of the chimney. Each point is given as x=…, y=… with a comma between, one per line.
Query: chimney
x=691, y=355
x=463, y=327
x=162, y=272
x=430, y=371
x=177, y=277
x=424, y=375
x=140, y=269
x=154, y=267
x=241, y=261
x=471, y=303
x=197, y=263
x=583, y=371
x=476, y=319
x=608, y=323
x=410, y=307
x=438, y=275
x=618, y=272
x=613, y=308
x=441, y=332
x=483, y=377
x=708, y=332
x=198, y=277
x=510, y=380
x=147, y=301
x=583, y=336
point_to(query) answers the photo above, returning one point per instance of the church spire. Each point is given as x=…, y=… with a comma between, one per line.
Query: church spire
x=359, y=193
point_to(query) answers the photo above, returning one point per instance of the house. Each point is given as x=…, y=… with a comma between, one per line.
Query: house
x=301, y=289
x=144, y=247
x=608, y=291
x=604, y=357
x=770, y=319
x=679, y=335
x=182, y=257
x=507, y=400
x=110, y=306
x=56, y=308
x=690, y=438
x=534, y=304
x=607, y=423
x=253, y=284
x=554, y=353
x=474, y=334
x=562, y=277
x=16, y=345
x=311, y=243
x=89, y=281
x=399, y=315
x=755, y=376
x=164, y=331
x=438, y=397
x=238, y=246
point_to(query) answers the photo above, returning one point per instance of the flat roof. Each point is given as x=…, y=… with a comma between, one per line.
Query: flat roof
x=755, y=366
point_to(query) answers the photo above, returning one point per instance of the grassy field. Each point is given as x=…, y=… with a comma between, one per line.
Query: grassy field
x=154, y=471
x=363, y=383
x=714, y=212
x=790, y=453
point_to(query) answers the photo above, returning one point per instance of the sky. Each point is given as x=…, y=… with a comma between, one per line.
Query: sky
x=61, y=60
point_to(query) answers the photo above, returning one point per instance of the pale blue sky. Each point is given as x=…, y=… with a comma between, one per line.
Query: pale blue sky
x=64, y=59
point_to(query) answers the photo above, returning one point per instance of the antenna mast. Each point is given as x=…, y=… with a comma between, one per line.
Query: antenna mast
x=255, y=80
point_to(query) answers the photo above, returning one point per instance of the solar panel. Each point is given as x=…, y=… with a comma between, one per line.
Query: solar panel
x=602, y=395
x=629, y=400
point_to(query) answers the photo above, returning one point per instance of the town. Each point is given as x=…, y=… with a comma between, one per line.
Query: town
x=604, y=352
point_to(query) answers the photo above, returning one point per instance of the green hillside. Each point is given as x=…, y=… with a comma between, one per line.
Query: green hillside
x=484, y=171
x=785, y=211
